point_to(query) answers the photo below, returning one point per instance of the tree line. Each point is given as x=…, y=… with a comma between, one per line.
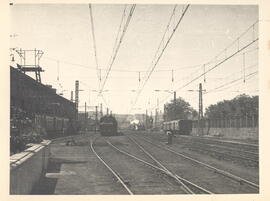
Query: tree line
x=241, y=105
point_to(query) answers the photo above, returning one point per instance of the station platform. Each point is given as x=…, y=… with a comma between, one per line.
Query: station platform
x=74, y=169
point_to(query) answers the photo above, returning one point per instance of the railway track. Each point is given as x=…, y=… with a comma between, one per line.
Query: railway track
x=249, y=158
x=194, y=189
x=238, y=152
x=116, y=175
x=233, y=145
x=153, y=168
x=230, y=149
x=216, y=170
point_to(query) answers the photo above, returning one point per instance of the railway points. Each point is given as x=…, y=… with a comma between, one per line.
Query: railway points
x=216, y=170
x=156, y=164
x=99, y=121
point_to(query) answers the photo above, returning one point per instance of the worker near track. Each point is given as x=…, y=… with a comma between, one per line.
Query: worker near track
x=170, y=136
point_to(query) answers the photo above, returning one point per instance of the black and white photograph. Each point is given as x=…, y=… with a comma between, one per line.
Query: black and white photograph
x=134, y=99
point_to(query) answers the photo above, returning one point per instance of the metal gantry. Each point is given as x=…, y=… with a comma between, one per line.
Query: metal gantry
x=33, y=65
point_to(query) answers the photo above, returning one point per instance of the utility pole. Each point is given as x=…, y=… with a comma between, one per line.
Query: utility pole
x=85, y=117
x=151, y=120
x=200, y=116
x=156, y=117
x=77, y=95
x=101, y=110
x=96, y=119
x=107, y=111
x=146, y=119
x=71, y=96
x=174, y=105
x=164, y=113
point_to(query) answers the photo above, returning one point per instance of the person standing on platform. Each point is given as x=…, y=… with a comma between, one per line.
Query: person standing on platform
x=170, y=136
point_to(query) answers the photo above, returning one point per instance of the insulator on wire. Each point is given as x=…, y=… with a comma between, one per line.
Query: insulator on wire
x=172, y=76
x=139, y=76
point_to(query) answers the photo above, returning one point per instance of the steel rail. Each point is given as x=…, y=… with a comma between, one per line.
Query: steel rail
x=222, y=141
x=166, y=169
x=224, y=154
x=177, y=178
x=148, y=164
x=242, y=155
x=217, y=170
x=162, y=166
x=228, y=148
x=111, y=170
x=246, y=155
x=228, y=142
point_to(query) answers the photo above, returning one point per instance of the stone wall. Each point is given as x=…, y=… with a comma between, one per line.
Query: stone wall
x=27, y=167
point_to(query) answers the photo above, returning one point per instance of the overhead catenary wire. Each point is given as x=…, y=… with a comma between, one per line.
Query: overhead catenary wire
x=98, y=71
x=142, y=71
x=116, y=49
x=235, y=73
x=158, y=56
x=208, y=63
x=231, y=82
x=228, y=84
x=120, y=69
x=215, y=66
x=101, y=95
x=221, y=61
x=94, y=40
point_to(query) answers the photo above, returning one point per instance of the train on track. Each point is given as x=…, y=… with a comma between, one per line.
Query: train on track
x=108, y=126
x=40, y=104
x=54, y=126
x=178, y=127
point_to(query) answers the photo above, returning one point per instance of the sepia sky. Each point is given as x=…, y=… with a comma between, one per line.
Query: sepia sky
x=63, y=32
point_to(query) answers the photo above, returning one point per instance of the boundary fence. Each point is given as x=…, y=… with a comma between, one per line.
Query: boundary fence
x=234, y=122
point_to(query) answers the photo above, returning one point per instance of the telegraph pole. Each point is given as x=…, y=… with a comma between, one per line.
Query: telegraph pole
x=71, y=96
x=156, y=117
x=164, y=113
x=107, y=111
x=96, y=119
x=151, y=118
x=174, y=104
x=200, y=117
x=77, y=95
x=146, y=123
x=101, y=110
x=85, y=117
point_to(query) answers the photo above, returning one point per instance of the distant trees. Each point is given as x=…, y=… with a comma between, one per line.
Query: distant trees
x=242, y=105
x=180, y=110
